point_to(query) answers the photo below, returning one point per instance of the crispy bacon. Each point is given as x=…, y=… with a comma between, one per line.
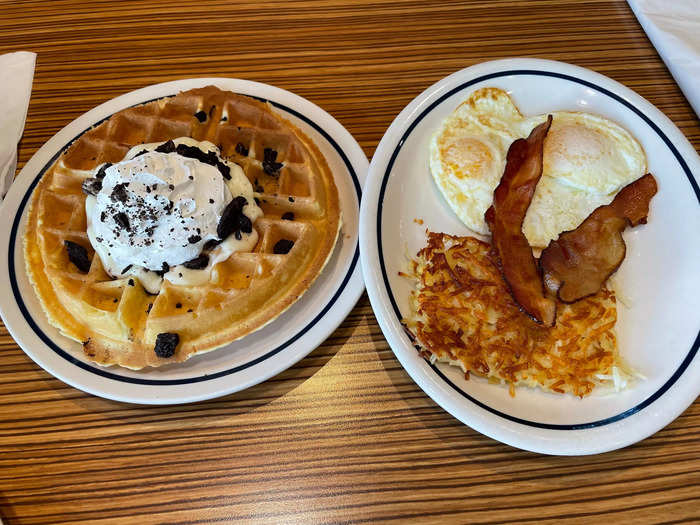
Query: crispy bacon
x=511, y=199
x=579, y=262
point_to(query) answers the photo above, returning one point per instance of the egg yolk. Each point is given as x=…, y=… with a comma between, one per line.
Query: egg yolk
x=574, y=145
x=467, y=157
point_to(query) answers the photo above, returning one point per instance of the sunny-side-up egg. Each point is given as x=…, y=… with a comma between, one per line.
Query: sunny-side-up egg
x=587, y=159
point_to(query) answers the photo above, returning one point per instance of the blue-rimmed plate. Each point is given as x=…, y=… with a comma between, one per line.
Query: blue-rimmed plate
x=659, y=279
x=244, y=363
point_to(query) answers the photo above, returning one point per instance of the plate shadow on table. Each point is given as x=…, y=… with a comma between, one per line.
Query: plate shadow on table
x=428, y=414
x=475, y=453
x=7, y=515
x=112, y=425
x=241, y=402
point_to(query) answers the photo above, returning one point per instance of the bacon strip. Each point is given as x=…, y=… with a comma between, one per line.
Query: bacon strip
x=505, y=217
x=580, y=261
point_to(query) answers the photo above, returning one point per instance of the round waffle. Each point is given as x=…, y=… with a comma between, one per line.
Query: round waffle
x=118, y=323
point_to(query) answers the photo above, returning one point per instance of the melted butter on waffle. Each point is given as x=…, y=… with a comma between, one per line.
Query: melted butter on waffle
x=116, y=319
x=463, y=314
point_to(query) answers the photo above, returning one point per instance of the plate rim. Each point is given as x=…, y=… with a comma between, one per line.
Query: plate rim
x=443, y=390
x=346, y=288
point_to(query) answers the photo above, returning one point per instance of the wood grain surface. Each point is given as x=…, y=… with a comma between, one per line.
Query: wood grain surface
x=344, y=436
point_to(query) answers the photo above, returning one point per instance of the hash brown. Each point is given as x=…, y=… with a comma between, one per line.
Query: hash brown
x=462, y=313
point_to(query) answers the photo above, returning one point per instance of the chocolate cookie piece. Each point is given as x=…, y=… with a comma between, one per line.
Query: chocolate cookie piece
x=193, y=152
x=233, y=220
x=166, y=343
x=91, y=186
x=122, y=220
x=166, y=147
x=101, y=172
x=197, y=263
x=211, y=244
x=282, y=246
x=270, y=164
x=241, y=150
x=77, y=255
x=119, y=193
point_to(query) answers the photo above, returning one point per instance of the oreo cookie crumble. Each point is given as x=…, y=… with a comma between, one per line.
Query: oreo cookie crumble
x=197, y=263
x=119, y=193
x=211, y=244
x=166, y=147
x=101, y=172
x=91, y=186
x=282, y=246
x=122, y=220
x=233, y=220
x=77, y=255
x=193, y=152
x=242, y=150
x=270, y=164
x=166, y=343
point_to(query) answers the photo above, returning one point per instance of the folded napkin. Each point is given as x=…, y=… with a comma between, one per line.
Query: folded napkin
x=17, y=73
x=673, y=26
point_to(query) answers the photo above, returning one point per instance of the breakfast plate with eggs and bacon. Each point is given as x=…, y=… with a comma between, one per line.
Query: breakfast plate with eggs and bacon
x=529, y=241
x=183, y=241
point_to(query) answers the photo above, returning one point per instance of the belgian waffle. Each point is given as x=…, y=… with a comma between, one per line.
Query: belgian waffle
x=118, y=322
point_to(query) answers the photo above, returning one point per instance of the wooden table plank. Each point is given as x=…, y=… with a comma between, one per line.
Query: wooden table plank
x=344, y=436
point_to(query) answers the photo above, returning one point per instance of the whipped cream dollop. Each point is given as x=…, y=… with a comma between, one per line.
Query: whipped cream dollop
x=156, y=214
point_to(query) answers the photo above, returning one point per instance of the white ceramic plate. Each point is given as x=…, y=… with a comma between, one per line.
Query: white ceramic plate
x=244, y=363
x=658, y=334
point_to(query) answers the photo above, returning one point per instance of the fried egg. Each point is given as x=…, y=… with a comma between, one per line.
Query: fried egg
x=587, y=160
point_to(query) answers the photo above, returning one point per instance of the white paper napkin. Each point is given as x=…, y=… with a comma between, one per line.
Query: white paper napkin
x=673, y=26
x=16, y=75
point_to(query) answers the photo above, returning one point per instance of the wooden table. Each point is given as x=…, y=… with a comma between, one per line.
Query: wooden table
x=344, y=436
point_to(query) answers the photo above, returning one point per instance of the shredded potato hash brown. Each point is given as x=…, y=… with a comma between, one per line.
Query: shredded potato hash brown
x=463, y=313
